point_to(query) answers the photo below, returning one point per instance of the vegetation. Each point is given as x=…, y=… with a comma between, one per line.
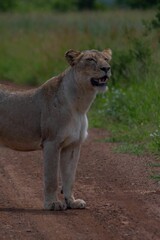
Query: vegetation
x=32, y=48
x=42, y=5
x=70, y=5
x=138, y=3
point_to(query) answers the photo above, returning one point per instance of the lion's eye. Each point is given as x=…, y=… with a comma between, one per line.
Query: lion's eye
x=91, y=60
x=106, y=59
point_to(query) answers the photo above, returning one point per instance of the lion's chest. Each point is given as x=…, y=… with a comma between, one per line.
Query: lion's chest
x=76, y=131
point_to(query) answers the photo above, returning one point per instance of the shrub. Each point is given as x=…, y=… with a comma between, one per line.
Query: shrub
x=63, y=5
x=132, y=65
x=155, y=23
x=87, y=4
x=138, y=3
x=116, y=105
x=7, y=5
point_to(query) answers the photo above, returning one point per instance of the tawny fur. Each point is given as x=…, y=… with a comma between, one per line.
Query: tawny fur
x=53, y=117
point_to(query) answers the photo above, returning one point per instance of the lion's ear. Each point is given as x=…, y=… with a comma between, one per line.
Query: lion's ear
x=108, y=53
x=72, y=56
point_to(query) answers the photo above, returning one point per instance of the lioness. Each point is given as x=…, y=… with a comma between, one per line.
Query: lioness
x=53, y=117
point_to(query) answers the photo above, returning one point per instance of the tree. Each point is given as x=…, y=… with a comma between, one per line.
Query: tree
x=6, y=5
x=138, y=3
x=87, y=4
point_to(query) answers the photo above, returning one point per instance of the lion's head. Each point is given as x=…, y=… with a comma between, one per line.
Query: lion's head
x=92, y=66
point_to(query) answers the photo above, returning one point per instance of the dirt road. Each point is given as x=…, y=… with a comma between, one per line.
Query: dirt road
x=122, y=201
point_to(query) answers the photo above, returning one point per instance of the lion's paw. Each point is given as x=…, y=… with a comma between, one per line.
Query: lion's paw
x=56, y=206
x=76, y=204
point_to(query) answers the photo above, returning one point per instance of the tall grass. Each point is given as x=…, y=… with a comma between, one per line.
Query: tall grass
x=32, y=48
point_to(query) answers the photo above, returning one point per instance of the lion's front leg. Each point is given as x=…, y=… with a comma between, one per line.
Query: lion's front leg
x=68, y=165
x=51, y=169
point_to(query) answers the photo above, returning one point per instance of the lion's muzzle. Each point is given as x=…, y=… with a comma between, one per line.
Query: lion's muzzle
x=100, y=82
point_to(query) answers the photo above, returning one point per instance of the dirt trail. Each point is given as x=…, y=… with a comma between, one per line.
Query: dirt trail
x=122, y=201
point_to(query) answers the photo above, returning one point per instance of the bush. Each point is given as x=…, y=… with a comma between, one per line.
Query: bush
x=155, y=23
x=132, y=65
x=131, y=107
x=63, y=5
x=7, y=5
x=138, y=3
x=117, y=106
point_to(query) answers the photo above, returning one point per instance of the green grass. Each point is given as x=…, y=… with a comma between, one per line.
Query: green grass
x=135, y=149
x=132, y=115
x=32, y=48
x=32, y=45
x=155, y=171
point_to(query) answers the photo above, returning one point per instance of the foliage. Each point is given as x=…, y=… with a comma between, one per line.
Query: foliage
x=131, y=103
x=87, y=4
x=56, y=5
x=63, y=5
x=70, y=5
x=155, y=23
x=138, y=59
x=138, y=3
x=6, y=5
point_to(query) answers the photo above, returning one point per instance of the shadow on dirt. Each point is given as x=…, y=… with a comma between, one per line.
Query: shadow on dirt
x=40, y=211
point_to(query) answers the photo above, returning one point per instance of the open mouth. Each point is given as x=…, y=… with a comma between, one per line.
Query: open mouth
x=99, y=82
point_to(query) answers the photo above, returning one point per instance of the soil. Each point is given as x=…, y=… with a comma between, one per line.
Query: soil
x=123, y=202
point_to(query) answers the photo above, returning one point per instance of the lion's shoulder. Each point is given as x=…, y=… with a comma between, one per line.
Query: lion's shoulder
x=51, y=87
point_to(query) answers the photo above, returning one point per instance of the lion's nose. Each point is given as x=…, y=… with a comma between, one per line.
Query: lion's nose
x=105, y=69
